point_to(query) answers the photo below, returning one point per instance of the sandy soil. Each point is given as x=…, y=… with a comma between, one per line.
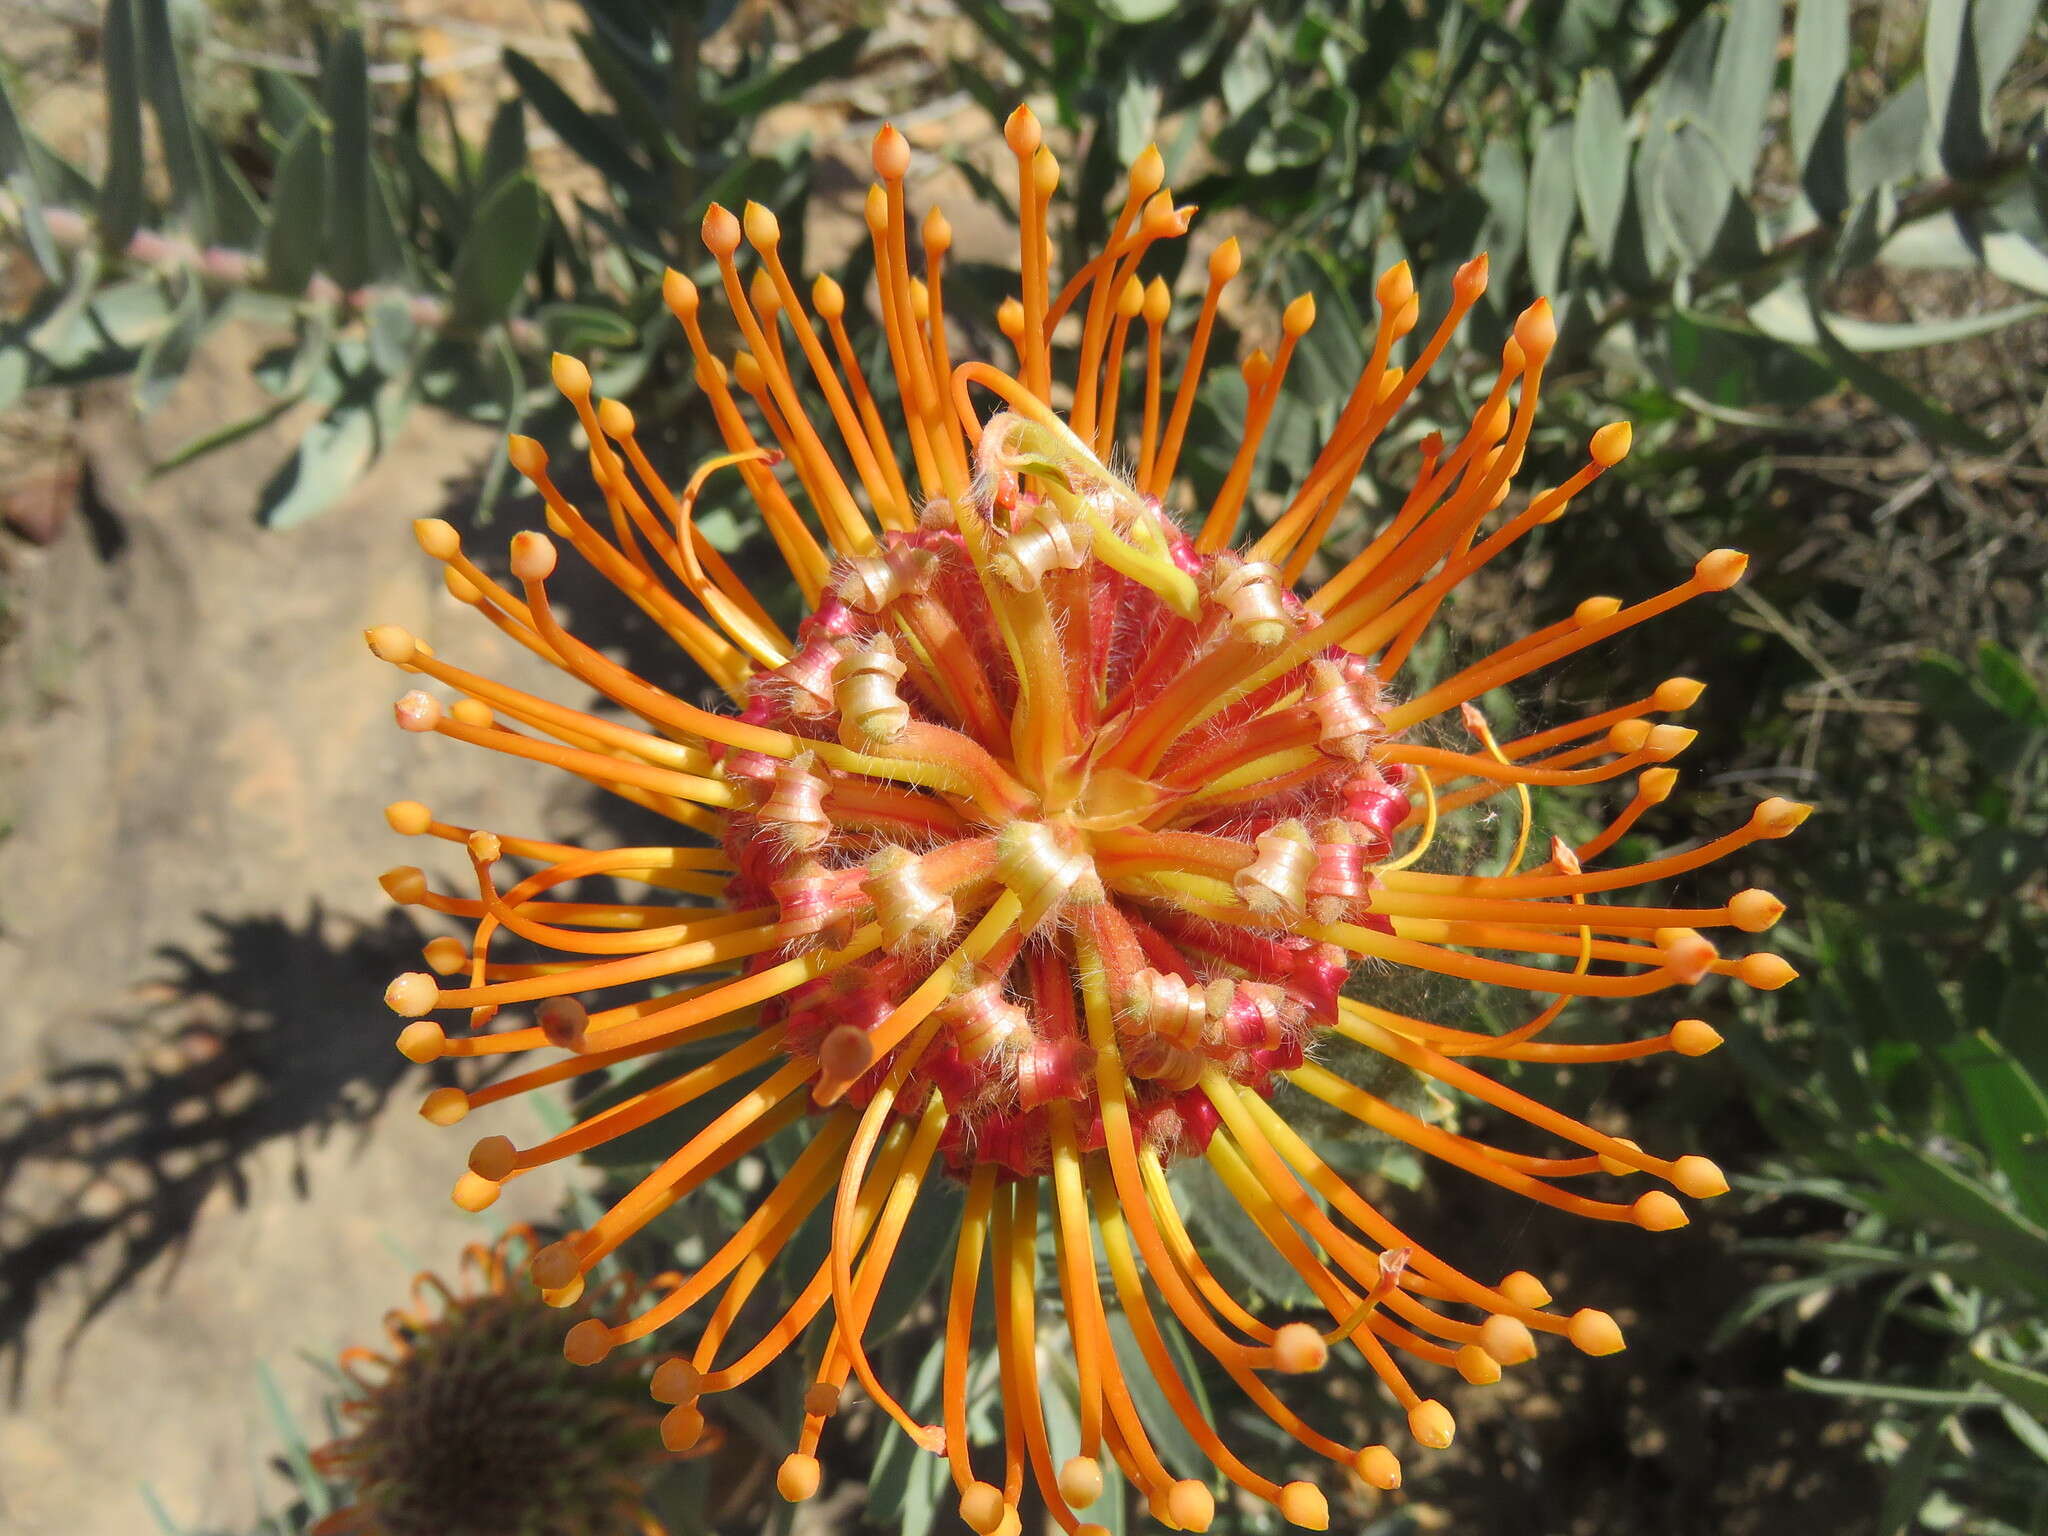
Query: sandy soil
x=209, y=1157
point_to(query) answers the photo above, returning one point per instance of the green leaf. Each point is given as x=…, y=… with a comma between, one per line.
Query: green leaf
x=391, y=333
x=637, y=110
x=2010, y=1112
x=348, y=162
x=498, y=253
x=1865, y=233
x=163, y=81
x=1999, y=29
x=1732, y=365
x=2027, y=1388
x=286, y=105
x=1905, y=1490
x=504, y=146
x=1782, y=313
x=1697, y=195
x=1820, y=129
x=897, y=1493
x=829, y=60
x=233, y=432
x=1887, y=147
x=2010, y=683
x=235, y=214
x=121, y=195
x=583, y=327
x=1600, y=160
x=390, y=258
x=1890, y=1392
x=923, y=1253
x=69, y=332
x=593, y=141
x=1176, y=1446
x=1745, y=66
x=2027, y=1429
x=1504, y=183
x=1231, y=1242
x=1923, y=1189
x=1888, y=392
x=1955, y=88
x=1553, y=203
x=291, y=246
x=17, y=169
x=336, y=451
x=164, y=360
x=499, y=463
x=293, y=1443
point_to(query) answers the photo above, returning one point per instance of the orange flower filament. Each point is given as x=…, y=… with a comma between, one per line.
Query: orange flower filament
x=1049, y=848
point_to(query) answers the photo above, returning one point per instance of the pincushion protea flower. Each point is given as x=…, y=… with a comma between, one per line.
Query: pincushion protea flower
x=470, y=1423
x=1058, y=838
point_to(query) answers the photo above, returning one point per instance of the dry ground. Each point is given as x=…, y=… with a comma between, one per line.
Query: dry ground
x=208, y=1153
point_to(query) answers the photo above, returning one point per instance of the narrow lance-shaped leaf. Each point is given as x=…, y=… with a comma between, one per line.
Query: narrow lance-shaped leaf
x=1820, y=132
x=2026, y=1387
x=336, y=450
x=1600, y=160
x=585, y=135
x=1504, y=183
x=504, y=146
x=827, y=61
x=1955, y=86
x=121, y=196
x=18, y=172
x=498, y=253
x=348, y=162
x=164, y=83
x=1552, y=203
x=2000, y=28
x=291, y=245
x=164, y=360
x=1744, y=69
x=1889, y=392
x=2010, y=1113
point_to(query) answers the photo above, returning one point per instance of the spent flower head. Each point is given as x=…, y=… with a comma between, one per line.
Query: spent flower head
x=1065, y=832
x=467, y=1421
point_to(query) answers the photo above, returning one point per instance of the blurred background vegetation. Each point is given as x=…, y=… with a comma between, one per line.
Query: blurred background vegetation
x=1804, y=246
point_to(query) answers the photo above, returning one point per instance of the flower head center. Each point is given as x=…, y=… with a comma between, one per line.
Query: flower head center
x=1054, y=740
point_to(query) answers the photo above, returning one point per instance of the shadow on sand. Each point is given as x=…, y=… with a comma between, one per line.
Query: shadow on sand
x=108, y=1158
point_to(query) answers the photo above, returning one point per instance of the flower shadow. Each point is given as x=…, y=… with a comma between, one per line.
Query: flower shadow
x=110, y=1157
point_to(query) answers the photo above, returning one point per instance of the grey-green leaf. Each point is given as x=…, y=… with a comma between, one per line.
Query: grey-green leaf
x=121, y=197
x=1820, y=130
x=1955, y=89
x=1600, y=160
x=291, y=245
x=1887, y=391
x=336, y=451
x=498, y=252
x=164, y=360
x=829, y=60
x=2027, y=1388
x=1553, y=204
x=348, y=162
x=1745, y=67
x=164, y=83
x=504, y=145
x=594, y=141
x=1887, y=147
